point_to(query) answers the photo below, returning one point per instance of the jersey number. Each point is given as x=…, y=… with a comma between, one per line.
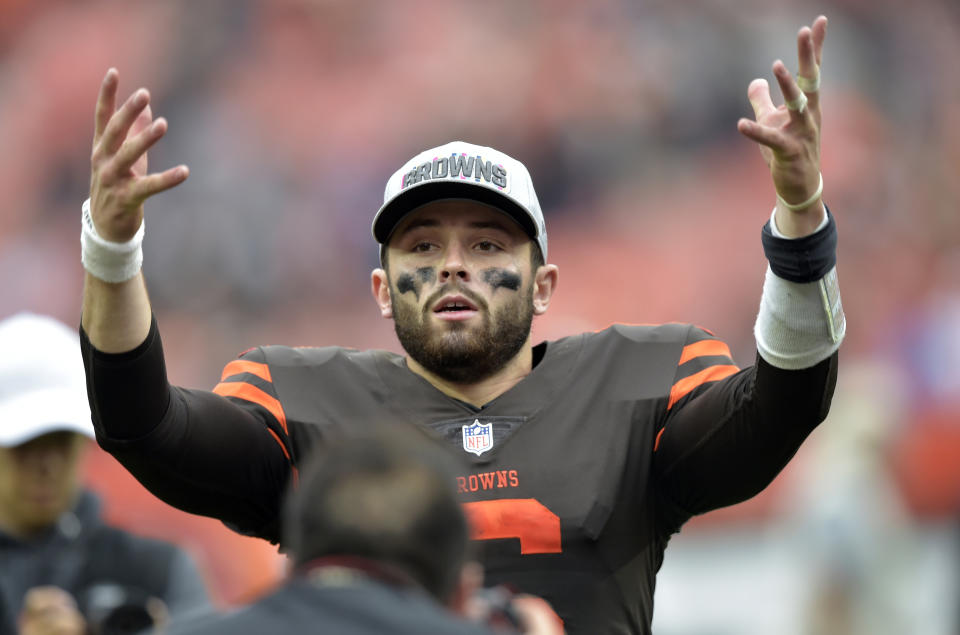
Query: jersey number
x=526, y=519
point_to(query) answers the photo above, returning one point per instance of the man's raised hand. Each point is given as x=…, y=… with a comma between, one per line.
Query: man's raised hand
x=119, y=181
x=789, y=135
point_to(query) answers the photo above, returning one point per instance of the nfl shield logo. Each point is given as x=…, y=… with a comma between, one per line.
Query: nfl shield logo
x=477, y=437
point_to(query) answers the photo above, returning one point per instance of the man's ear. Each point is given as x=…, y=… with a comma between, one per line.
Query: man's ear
x=545, y=281
x=380, y=286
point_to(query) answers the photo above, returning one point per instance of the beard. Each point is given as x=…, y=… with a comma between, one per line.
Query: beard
x=460, y=353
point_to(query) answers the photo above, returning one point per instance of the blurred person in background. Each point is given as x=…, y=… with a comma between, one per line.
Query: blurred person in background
x=379, y=544
x=586, y=453
x=855, y=533
x=62, y=570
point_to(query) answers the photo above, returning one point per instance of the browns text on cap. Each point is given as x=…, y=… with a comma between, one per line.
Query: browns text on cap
x=460, y=170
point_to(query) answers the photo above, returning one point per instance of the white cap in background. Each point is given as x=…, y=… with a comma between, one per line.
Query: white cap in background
x=42, y=385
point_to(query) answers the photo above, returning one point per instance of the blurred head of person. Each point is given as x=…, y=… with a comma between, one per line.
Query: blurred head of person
x=386, y=498
x=44, y=422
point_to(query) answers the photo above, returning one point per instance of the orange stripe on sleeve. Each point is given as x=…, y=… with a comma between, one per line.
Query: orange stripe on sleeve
x=704, y=348
x=249, y=392
x=280, y=443
x=656, y=444
x=685, y=385
x=239, y=366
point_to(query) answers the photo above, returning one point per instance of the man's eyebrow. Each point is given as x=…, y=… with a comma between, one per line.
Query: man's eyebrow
x=480, y=224
x=423, y=222
x=490, y=224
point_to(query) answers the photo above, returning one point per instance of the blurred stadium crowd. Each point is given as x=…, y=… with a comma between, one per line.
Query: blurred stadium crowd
x=291, y=114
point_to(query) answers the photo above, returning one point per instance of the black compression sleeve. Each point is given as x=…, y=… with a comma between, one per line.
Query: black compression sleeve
x=210, y=457
x=194, y=449
x=128, y=392
x=727, y=444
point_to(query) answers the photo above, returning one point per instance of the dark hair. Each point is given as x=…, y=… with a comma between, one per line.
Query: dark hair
x=536, y=257
x=388, y=496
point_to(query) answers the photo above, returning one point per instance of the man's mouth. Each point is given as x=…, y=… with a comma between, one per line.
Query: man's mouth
x=454, y=308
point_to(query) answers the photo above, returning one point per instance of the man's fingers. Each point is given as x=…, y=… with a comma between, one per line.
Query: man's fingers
x=106, y=103
x=135, y=147
x=758, y=92
x=819, y=35
x=808, y=61
x=809, y=70
x=122, y=119
x=795, y=100
x=151, y=184
x=764, y=135
x=142, y=121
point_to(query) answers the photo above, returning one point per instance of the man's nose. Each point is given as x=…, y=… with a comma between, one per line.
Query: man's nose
x=454, y=264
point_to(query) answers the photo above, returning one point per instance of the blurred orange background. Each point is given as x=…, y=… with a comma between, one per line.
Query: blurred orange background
x=291, y=115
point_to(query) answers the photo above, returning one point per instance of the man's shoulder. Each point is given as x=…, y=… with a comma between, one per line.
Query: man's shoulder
x=620, y=334
x=314, y=356
x=621, y=359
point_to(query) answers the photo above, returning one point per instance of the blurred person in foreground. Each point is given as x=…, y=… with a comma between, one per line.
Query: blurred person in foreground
x=62, y=570
x=587, y=453
x=379, y=544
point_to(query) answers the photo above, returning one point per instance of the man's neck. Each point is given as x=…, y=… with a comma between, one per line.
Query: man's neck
x=486, y=390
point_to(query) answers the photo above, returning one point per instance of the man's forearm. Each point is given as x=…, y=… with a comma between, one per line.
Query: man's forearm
x=116, y=316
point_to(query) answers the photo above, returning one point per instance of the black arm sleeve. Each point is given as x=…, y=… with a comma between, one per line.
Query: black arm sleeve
x=193, y=449
x=727, y=444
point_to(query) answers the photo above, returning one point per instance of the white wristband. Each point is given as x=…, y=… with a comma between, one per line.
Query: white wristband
x=799, y=324
x=105, y=259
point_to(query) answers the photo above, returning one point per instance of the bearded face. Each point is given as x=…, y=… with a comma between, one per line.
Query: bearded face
x=469, y=350
x=462, y=282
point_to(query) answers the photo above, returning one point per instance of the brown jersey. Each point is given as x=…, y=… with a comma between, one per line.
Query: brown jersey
x=574, y=479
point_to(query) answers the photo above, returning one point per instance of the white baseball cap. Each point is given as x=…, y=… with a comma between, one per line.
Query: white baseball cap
x=42, y=384
x=460, y=170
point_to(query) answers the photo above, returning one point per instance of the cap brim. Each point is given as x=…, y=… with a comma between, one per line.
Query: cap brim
x=40, y=412
x=410, y=199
